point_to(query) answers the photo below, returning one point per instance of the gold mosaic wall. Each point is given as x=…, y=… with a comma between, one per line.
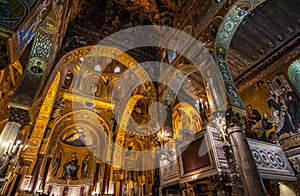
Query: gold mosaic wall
x=257, y=95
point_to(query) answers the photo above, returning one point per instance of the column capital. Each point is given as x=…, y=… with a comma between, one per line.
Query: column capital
x=19, y=116
x=234, y=128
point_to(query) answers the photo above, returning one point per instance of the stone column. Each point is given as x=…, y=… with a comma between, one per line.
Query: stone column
x=11, y=133
x=8, y=137
x=251, y=179
x=106, y=179
x=156, y=183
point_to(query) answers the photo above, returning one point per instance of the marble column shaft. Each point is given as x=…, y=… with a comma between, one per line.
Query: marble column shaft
x=246, y=163
x=8, y=138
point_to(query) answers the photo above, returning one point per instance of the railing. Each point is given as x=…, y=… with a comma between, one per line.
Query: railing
x=271, y=161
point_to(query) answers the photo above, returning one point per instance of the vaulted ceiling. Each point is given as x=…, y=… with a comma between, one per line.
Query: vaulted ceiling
x=100, y=19
x=268, y=33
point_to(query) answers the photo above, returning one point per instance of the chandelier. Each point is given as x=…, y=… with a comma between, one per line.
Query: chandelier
x=162, y=135
x=163, y=131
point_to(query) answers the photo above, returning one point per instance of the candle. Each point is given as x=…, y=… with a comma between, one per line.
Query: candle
x=14, y=148
x=197, y=105
x=201, y=105
x=10, y=147
x=5, y=144
x=21, y=146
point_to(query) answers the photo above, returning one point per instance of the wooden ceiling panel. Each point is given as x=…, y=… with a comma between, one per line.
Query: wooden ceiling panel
x=265, y=31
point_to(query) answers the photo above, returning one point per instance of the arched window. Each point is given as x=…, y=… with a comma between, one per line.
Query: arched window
x=171, y=55
x=98, y=68
x=117, y=69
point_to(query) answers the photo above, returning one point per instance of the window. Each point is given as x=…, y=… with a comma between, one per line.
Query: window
x=117, y=69
x=171, y=55
x=98, y=68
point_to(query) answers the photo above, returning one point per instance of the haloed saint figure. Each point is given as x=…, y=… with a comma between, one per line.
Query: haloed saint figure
x=71, y=167
x=37, y=68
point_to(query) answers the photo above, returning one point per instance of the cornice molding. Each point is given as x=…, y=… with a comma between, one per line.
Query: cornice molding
x=273, y=62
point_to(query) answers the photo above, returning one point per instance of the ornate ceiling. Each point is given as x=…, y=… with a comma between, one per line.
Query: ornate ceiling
x=271, y=28
x=100, y=19
x=266, y=34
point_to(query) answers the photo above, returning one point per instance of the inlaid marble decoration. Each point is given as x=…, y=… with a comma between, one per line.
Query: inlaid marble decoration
x=271, y=161
x=293, y=156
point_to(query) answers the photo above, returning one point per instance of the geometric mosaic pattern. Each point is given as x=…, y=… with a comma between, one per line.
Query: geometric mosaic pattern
x=222, y=42
x=43, y=44
x=271, y=161
x=293, y=156
x=295, y=161
x=268, y=159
